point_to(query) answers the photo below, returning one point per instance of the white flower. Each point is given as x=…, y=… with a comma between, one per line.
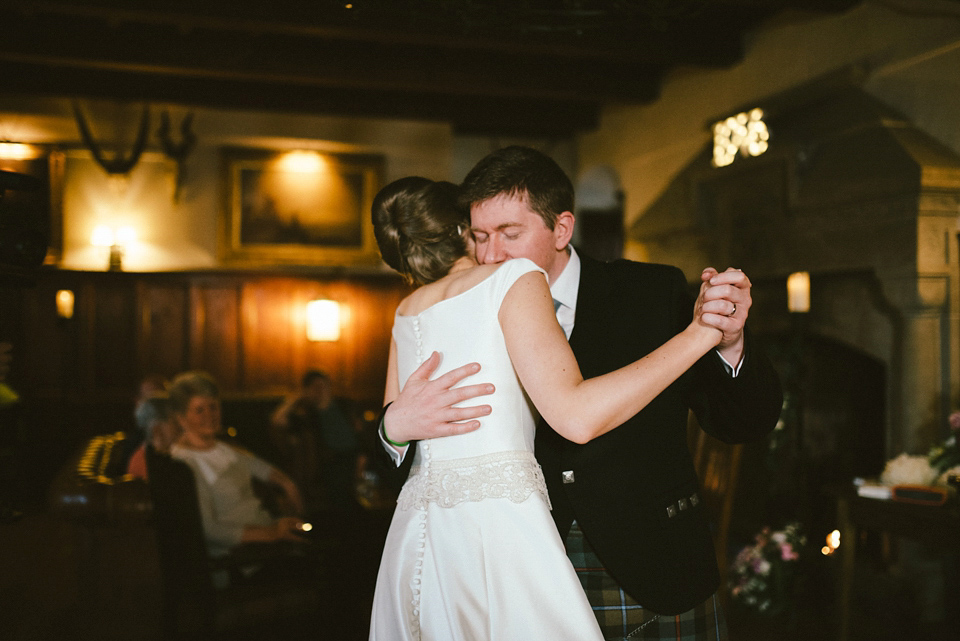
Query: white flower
x=908, y=470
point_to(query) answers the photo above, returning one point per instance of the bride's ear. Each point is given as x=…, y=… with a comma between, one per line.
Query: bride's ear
x=563, y=229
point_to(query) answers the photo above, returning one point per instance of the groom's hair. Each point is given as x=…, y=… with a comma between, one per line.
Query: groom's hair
x=523, y=172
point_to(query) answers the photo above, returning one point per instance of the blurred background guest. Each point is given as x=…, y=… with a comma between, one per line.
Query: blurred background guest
x=232, y=512
x=150, y=386
x=318, y=435
x=160, y=428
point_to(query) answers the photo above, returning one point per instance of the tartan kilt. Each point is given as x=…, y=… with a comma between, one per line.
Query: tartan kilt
x=621, y=617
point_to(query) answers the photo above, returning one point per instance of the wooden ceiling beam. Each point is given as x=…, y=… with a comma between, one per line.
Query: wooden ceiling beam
x=696, y=39
x=163, y=50
x=482, y=115
x=487, y=66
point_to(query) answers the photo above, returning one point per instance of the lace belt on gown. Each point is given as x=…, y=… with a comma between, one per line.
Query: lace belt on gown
x=510, y=475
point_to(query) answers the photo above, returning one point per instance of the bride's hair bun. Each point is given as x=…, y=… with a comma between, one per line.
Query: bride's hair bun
x=418, y=225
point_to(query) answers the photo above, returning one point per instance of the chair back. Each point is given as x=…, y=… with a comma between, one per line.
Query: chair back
x=188, y=590
x=718, y=467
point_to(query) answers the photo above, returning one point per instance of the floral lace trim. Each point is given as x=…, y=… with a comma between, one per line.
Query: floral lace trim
x=511, y=475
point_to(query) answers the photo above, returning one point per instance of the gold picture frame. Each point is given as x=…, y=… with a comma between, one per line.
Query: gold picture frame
x=298, y=207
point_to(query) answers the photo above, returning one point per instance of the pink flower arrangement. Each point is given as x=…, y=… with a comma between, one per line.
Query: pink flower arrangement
x=762, y=574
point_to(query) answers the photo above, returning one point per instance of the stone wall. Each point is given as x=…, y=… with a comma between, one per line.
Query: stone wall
x=856, y=195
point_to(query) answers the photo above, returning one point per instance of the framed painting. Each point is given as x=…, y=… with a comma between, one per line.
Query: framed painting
x=299, y=207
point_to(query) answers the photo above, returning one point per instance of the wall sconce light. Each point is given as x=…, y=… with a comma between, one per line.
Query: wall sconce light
x=798, y=292
x=17, y=151
x=323, y=320
x=65, y=303
x=116, y=240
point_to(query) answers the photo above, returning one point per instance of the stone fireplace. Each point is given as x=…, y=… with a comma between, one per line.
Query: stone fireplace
x=864, y=201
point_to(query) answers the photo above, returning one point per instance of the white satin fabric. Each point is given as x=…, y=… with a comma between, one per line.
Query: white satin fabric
x=472, y=553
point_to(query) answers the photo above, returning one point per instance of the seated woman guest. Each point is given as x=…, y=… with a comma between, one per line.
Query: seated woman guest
x=231, y=512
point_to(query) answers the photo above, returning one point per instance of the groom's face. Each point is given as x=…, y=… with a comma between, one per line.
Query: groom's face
x=505, y=227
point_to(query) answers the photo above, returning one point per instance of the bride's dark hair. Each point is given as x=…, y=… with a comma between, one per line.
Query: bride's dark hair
x=419, y=227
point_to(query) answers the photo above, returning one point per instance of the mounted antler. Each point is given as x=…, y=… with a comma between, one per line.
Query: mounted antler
x=177, y=152
x=118, y=164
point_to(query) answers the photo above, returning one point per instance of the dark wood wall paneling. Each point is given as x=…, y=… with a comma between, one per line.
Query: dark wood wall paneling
x=77, y=377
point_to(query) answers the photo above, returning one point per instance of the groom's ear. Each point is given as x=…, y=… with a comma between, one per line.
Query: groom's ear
x=563, y=229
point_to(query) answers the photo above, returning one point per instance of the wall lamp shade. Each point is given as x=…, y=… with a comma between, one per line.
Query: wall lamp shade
x=323, y=320
x=65, y=303
x=798, y=292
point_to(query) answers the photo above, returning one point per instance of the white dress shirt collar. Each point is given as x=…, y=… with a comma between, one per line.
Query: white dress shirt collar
x=565, y=289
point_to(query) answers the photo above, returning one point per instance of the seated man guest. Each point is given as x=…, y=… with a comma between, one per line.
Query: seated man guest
x=319, y=436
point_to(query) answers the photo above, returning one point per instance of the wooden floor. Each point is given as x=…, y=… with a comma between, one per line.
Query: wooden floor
x=61, y=580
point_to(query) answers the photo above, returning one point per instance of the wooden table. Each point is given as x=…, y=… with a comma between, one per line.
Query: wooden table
x=938, y=526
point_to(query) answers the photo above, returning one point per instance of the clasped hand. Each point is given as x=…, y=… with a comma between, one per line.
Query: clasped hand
x=724, y=303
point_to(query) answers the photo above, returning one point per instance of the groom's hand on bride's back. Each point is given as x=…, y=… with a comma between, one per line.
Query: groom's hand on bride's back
x=424, y=407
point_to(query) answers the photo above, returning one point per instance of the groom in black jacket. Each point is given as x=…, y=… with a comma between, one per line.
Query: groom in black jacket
x=627, y=503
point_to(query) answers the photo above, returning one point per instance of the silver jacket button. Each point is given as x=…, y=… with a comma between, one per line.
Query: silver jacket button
x=567, y=476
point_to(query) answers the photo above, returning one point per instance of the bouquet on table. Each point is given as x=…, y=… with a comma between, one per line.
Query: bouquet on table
x=763, y=574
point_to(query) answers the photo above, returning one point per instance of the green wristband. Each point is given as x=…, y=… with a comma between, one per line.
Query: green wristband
x=383, y=430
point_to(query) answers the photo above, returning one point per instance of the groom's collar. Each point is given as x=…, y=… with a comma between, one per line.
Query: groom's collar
x=565, y=288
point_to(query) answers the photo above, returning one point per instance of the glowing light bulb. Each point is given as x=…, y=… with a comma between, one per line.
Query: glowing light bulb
x=102, y=236
x=126, y=235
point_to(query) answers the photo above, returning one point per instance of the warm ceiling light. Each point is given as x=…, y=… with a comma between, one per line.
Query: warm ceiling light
x=323, y=320
x=301, y=162
x=745, y=133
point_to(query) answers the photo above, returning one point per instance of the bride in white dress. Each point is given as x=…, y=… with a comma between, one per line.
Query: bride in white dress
x=472, y=552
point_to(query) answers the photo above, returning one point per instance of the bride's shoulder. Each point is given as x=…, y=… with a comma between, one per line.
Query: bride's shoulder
x=412, y=301
x=466, y=279
x=521, y=265
x=447, y=287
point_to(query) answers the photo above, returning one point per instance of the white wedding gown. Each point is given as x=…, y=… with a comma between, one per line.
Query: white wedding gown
x=472, y=553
